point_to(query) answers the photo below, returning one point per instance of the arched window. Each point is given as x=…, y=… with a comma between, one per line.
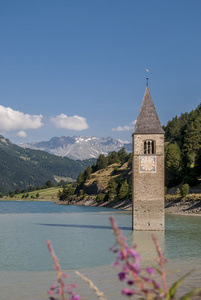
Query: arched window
x=149, y=147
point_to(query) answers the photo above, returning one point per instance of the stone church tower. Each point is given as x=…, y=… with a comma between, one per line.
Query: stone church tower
x=148, y=168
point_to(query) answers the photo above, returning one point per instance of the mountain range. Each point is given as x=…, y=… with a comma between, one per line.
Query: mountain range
x=21, y=168
x=79, y=147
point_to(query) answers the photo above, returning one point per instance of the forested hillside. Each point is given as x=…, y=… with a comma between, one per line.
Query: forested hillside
x=183, y=148
x=110, y=179
x=107, y=180
x=21, y=168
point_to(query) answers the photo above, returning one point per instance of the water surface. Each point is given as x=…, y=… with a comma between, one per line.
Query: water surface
x=81, y=237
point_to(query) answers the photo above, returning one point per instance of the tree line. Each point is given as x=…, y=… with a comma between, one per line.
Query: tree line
x=183, y=149
x=48, y=184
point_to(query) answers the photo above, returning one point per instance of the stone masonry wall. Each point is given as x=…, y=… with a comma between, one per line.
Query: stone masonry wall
x=148, y=215
x=148, y=190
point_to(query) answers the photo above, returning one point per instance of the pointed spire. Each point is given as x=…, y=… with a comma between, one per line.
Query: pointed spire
x=148, y=121
x=147, y=76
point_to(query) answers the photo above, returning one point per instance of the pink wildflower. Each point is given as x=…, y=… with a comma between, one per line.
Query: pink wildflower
x=129, y=261
x=150, y=271
x=75, y=297
x=122, y=276
x=60, y=287
x=127, y=292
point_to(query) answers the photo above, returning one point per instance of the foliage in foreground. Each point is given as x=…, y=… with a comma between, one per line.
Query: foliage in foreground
x=140, y=281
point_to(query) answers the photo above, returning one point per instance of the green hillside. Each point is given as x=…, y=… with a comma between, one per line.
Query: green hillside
x=21, y=168
x=48, y=194
x=108, y=180
x=183, y=148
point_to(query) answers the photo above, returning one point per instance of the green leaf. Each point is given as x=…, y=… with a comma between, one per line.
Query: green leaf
x=158, y=270
x=190, y=294
x=173, y=289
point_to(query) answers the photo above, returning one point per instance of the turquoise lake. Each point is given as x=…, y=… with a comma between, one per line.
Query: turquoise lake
x=81, y=238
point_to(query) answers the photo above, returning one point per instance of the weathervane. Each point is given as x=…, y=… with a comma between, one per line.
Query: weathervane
x=147, y=76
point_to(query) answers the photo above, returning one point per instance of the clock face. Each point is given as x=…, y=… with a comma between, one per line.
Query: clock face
x=147, y=163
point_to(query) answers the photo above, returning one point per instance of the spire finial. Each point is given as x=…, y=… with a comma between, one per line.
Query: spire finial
x=147, y=76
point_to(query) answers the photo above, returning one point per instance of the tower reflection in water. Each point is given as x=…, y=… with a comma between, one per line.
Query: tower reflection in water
x=145, y=244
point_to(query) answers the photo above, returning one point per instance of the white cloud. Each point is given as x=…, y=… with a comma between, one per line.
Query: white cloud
x=71, y=123
x=125, y=127
x=15, y=120
x=22, y=134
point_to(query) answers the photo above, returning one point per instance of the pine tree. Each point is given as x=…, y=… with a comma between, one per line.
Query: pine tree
x=79, y=178
x=123, y=157
x=112, y=186
x=192, y=140
x=173, y=162
x=102, y=162
x=197, y=167
x=87, y=173
x=124, y=189
x=113, y=158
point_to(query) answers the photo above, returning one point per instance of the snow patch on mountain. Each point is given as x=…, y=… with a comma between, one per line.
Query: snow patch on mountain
x=79, y=147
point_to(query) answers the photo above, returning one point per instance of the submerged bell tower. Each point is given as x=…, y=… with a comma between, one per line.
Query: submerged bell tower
x=148, y=168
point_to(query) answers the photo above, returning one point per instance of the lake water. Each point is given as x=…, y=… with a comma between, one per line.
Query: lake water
x=81, y=237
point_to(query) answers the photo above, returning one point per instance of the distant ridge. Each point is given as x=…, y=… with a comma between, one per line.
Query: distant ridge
x=21, y=168
x=79, y=147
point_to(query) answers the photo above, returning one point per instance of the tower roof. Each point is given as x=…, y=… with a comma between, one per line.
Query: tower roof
x=148, y=120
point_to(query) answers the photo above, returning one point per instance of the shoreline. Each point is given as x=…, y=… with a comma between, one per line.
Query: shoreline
x=190, y=207
x=180, y=207
x=25, y=200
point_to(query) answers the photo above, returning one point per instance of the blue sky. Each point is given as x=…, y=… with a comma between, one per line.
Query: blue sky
x=77, y=67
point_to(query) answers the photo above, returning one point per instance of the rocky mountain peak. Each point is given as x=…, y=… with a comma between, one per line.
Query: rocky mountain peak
x=79, y=147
